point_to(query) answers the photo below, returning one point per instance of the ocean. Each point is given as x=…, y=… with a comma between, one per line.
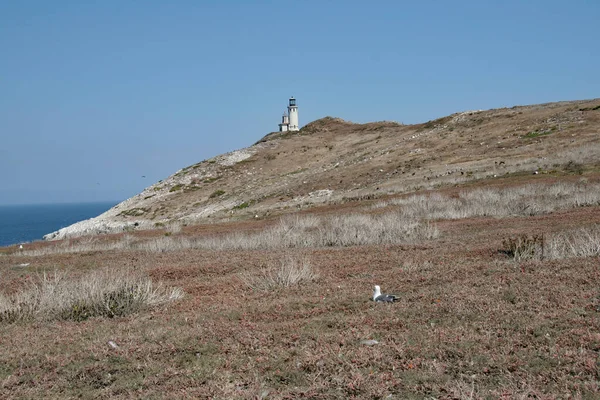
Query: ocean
x=26, y=223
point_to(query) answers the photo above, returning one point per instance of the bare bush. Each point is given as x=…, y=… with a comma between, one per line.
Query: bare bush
x=525, y=247
x=583, y=242
x=107, y=293
x=175, y=227
x=579, y=243
x=290, y=272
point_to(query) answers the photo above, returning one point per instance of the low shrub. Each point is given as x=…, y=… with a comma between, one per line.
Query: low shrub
x=524, y=247
x=590, y=108
x=105, y=293
x=290, y=272
x=573, y=167
x=584, y=242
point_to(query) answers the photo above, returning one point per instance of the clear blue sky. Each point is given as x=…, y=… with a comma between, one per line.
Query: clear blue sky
x=95, y=95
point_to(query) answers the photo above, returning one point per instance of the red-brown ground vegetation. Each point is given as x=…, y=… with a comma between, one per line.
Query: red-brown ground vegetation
x=471, y=322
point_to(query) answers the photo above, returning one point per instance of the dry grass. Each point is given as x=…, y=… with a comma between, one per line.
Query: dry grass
x=406, y=224
x=83, y=244
x=291, y=272
x=527, y=200
x=103, y=293
x=289, y=232
x=583, y=242
x=305, y=232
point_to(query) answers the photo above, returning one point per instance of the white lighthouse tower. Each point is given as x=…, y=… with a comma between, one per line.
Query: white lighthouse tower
x=293, y=115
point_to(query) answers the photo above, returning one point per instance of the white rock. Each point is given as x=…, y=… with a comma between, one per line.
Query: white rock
x=370, y=342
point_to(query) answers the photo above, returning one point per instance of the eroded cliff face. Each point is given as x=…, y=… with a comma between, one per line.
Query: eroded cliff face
x=333, y=161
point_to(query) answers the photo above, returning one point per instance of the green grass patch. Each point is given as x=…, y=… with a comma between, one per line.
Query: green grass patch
x=540, y=132
x=134, y=212
x=243, y=205
x=211, y=180
x=217, y=193
x=175, y=188
x=191, y=188
x=590, y=108
x=298, y=171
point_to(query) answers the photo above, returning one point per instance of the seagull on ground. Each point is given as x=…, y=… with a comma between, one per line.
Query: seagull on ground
x=383, y=298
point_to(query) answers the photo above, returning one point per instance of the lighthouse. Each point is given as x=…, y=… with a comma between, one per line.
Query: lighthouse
x=293, y=113
x=289, y=120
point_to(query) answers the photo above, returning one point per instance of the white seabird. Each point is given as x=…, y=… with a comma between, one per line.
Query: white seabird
x=384, y=298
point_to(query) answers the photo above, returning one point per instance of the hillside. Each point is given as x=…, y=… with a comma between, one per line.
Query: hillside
x=332, y=161
x=485, y=225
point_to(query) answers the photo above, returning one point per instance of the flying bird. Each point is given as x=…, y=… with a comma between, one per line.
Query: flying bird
x=383, y=298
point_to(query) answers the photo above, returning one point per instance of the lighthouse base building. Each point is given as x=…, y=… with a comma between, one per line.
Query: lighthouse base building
x=289, y=120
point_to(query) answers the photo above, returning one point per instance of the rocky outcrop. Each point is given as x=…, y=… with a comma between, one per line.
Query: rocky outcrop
x=103, y=224
x=95, y=226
